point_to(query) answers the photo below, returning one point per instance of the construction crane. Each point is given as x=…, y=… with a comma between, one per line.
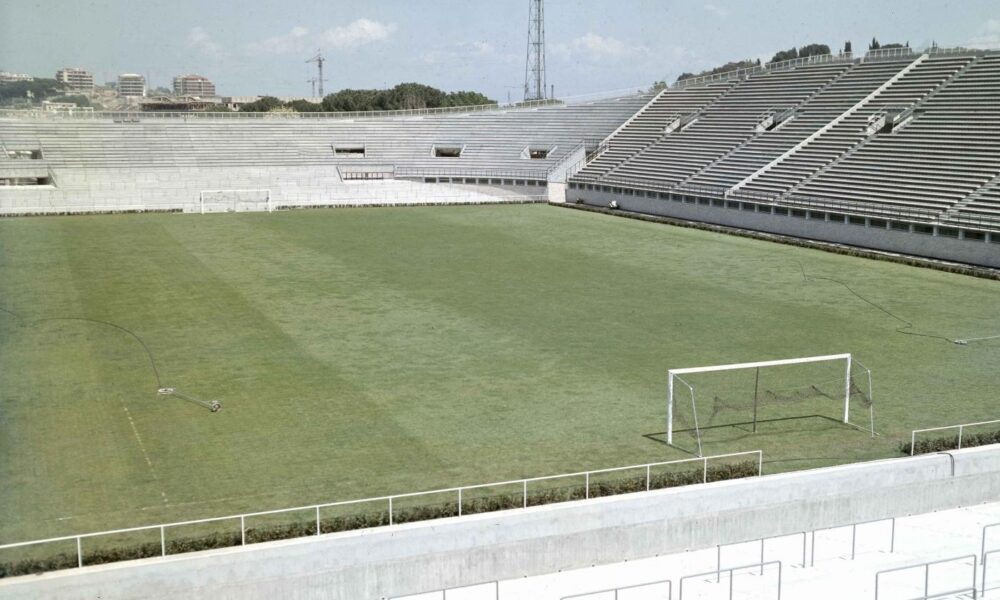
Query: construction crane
x=319, y=60
x=313, y=82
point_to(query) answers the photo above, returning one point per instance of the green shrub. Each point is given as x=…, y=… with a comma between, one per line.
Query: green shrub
x=485, y=504
x=941, y=444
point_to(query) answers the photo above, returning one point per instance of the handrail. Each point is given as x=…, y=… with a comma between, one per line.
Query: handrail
x=444, y=592
x=138, y=115
x=162, y=527
x=820, y=59
x=670, y=590
x=961, y=427
x=731, y=571
x=926, y=567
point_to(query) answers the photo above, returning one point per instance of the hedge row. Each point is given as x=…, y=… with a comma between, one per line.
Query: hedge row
x=939, y=444
x=379, y=518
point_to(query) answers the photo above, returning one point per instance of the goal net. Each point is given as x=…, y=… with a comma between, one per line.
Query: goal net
x=758, y=395
x=213, y=201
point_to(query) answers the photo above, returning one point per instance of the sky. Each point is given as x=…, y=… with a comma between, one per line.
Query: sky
x=257, y=48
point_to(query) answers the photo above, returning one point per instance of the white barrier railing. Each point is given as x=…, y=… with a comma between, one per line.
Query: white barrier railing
x=926, y=567
x=961, y=430
x=458, y=491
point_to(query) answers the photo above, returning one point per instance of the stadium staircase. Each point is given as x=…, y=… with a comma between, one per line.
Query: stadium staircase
x=795, y=160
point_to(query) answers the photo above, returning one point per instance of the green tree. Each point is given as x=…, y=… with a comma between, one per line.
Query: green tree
x=39, y=89
x=264, y=104
x=304, y=106
x=814, y=50
x=76, y=99
x=783, y=55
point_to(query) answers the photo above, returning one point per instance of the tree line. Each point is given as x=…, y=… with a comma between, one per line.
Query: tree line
x=405, y=96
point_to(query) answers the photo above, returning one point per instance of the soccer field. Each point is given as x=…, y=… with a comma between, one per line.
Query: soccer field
x=375, y=351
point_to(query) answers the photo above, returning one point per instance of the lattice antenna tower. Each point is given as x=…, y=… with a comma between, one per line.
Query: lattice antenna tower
x=319, y=60
x=534, y=67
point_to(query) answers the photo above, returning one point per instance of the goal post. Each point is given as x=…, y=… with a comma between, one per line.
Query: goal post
x=244, y=200
x=805, y=387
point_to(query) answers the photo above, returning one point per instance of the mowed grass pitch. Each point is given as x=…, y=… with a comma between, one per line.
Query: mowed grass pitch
x=374, y=351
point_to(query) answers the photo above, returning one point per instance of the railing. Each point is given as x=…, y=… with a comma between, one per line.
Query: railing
x=765, y=68
x=854, y=536
x=961, y=429
x=820, y=59
x=982, y=548
x=390, y=500
x=986, y=563
x=444, y=592
x=921, y=216
x=138, y=116
x=670, y=590
x=731, y=571
x=534, y=174
x=927, y=578
x=884, y=53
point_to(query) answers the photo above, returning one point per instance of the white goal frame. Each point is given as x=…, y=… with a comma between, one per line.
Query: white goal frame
x=674, y=374
x=267, y=197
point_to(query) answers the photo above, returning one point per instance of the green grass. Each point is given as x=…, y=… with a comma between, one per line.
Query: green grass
x=375, y=351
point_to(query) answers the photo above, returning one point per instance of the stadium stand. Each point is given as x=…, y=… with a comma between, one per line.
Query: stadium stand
x=902, y=135
x=160, y=163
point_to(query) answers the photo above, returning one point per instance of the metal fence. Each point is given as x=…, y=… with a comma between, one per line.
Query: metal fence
x=961, y=430
x=458, y=492
x=854, y=536
x=927, y=578
x=614, y=591
x=444, y=592
x=731, y=571
x=986, y=563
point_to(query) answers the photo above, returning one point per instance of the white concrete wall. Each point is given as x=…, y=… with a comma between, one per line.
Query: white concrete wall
x=977, y=252
x=418, y=557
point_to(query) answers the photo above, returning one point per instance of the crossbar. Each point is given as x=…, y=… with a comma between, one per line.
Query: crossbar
x=763, y=363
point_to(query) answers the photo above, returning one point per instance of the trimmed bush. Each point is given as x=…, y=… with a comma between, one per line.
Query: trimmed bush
x=940, y=444
x=254, y=535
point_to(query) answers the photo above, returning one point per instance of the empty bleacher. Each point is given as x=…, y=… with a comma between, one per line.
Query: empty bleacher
x=908, y=131
x=949, y=150
x=725, y=124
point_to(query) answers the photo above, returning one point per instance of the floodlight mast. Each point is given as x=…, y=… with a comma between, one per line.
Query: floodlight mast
x=672, y=373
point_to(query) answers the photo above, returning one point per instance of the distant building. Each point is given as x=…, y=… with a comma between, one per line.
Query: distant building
x=193, y=85
x=6, y=77
x=76, y=79
x=65, y=107
x=131, y=85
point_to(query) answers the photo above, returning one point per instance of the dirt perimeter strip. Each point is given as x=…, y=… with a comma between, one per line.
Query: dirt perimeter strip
x=914, y=261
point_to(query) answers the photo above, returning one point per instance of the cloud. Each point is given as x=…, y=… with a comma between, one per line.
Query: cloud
x=464, y=52
x=717, y=10
x=597, y=48
x=199, y=40
x=358, y=33
x=295, y=41
x=988, y=36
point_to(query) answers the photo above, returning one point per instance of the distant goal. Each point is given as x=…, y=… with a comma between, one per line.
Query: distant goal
x=216, y=201
x=750, y=395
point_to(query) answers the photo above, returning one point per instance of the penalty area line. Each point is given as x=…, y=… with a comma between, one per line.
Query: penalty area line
x=145, y=455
